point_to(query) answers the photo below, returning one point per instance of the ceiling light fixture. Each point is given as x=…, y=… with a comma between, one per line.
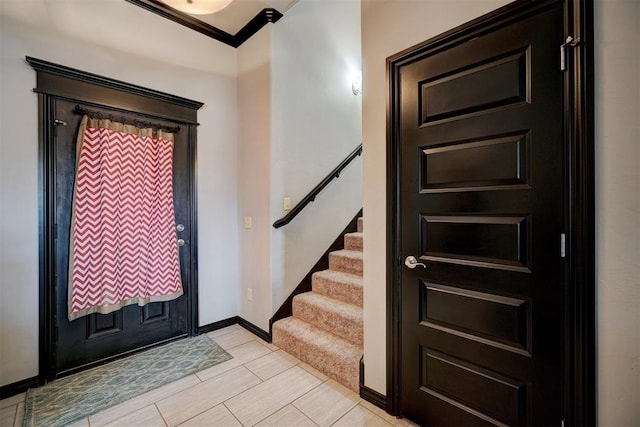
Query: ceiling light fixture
x=198, y=7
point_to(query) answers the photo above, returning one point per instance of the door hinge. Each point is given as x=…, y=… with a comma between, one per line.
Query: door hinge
x=563, y=245
x=55, y=231
x=563, y=51
x=55, y=334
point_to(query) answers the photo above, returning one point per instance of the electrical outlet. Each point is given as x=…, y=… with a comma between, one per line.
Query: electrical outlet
x=248, y=222
x=249, y=294
x=286, y=204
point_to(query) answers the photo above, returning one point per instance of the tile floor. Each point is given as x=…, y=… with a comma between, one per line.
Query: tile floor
x=262, y=386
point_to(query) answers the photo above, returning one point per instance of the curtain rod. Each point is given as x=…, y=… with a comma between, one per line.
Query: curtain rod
x=122, y=119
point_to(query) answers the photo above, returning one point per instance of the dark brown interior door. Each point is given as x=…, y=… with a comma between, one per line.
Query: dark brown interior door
x=481, y=206
x=99, y=337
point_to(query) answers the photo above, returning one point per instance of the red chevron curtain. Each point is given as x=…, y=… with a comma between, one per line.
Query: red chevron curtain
x=123, y=242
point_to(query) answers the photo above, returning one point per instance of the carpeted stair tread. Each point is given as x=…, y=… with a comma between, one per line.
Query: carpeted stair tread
x=335, y=357
x=326, y=329
x=346, y=260
x=338, y=285
x=353, y=241
x=339, y=318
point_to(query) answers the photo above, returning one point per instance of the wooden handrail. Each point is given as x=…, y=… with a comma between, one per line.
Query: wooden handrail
x=317, y=189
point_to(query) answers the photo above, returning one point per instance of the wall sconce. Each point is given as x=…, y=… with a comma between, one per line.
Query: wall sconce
x=198, y=7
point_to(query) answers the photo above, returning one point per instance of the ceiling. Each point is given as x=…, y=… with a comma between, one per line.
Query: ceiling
x=232, y=25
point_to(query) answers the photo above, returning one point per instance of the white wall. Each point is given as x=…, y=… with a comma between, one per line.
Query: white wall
x=617, y=31
x=391, y=26
x=316, y=123
x=254, y=169
x=121, y=41
x=298, y=118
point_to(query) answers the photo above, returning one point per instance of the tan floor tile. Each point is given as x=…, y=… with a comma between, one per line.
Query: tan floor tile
x=263, y=400
x=197, y=399
x=234, y=338
x=13, y=400
x=145, y=417
x=272, y=364
x=359, y=416
x=402, y=422
x=222, y=331
x=218, y=416
x=313, y=371
x=241, y=354
x=8, y=416
x=269, y=345
x=142, y=401
x=19, y=415
x=376, y=410
x=327, y=403
x=287, y=417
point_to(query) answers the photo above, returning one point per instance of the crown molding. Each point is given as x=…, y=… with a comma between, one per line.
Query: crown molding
x=265, y=16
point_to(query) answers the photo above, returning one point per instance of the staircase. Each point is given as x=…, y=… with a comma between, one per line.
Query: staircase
x=326, y=328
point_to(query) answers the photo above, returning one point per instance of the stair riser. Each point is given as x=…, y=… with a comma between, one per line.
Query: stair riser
x=348, y=327
x=345, y=264
x=353, y=243
x=344, y=371
x=345, y=292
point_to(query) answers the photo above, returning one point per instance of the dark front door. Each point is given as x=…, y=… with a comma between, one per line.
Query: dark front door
x=480, y=134
x=99, y=337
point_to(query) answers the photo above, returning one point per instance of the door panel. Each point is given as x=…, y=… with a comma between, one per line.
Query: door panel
x=99, y=337
x=490, y=164
x=474, y=88
x=481, y=204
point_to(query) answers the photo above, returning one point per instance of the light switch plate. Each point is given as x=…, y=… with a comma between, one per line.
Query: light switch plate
x=248, y=222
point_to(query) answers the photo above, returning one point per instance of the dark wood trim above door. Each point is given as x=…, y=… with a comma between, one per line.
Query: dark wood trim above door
x=580, y=313
x=55, y=82
x=59, y=80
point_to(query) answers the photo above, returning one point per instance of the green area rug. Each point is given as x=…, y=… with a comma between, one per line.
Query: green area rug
x=69, y=399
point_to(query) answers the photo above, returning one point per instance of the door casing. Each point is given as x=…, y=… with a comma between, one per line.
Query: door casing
x=53, y=82
x=579, y=394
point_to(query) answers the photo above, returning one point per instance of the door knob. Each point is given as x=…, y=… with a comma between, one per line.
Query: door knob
x=180, y=242
x=412, y=262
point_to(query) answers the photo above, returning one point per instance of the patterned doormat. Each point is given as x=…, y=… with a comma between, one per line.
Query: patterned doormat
x=77, y=396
